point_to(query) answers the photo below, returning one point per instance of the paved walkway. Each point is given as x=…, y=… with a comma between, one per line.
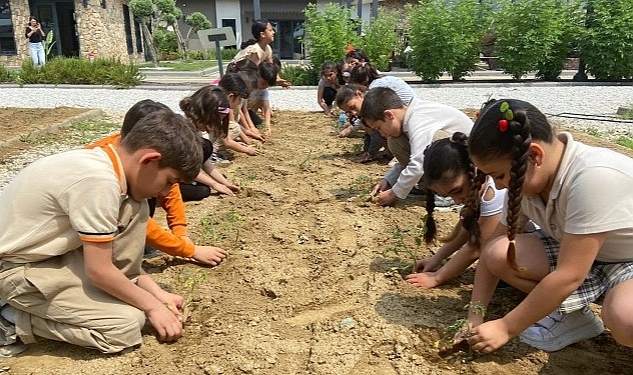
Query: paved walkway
x=167, y=77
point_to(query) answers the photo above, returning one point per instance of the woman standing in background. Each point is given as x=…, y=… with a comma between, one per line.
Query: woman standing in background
x=35, y=33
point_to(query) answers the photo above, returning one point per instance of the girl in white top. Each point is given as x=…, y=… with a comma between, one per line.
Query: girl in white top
x=258, y=49
x=448, y=171
x=581, y=198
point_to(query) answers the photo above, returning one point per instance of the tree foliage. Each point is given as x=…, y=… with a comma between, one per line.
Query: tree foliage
x=329, y=32
x=607, y=42
x=531, y=33
x=444, y=37
x=380, y=38
x=142, y=10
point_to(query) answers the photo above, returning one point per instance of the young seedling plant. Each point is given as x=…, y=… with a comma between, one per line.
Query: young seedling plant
x=189, y=279
x=400, y=249
x=454, y=338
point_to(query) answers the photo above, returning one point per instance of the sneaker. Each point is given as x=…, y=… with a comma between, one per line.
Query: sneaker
x=11, y=350
x=444, y=201
x=218, y=159
x=8, y=335
x=557, y=330
x=417, y=193
x=149, y=252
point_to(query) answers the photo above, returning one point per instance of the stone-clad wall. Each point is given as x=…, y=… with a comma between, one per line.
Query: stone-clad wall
x=20, y=17
x=101, y=31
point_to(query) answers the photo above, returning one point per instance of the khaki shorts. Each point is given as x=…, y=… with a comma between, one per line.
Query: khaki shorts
x=234, y=133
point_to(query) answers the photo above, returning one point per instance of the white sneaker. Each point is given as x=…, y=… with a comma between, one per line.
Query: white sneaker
x=557, y=330
x=11, y=350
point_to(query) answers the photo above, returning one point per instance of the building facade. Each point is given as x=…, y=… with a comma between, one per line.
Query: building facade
x=106, y=28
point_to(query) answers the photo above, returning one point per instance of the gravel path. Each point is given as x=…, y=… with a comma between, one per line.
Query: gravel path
x=550, y=98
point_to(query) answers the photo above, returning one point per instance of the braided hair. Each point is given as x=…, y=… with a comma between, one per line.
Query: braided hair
x=444, y=161
x=504, y=130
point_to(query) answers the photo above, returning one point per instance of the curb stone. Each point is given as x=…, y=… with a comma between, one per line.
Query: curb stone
x=93, y=114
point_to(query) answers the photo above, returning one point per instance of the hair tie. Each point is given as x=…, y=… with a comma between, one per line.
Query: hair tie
x=224, y=110
x=477, y=114
x=508, y=116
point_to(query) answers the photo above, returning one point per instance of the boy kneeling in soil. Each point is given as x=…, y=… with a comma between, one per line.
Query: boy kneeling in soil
x=70, y=260
x=409, y=129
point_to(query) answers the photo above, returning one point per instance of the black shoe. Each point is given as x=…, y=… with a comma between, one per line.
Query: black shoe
x=417, y=193
x=150, y=252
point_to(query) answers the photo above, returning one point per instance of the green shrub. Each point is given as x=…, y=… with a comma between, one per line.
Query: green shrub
x=6, y=75
x=381, y=40
x=328, y=33
x=28, y=72
x=467, y=17
x=300, y=75
x=166, y=41
x=607, y=42
x=444, y=36
x=227, y=54
x=196, y=55
x=531, y=35
x=74, y=70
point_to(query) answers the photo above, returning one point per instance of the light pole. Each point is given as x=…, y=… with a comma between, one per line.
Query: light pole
x=257, y=11
x=581, y=75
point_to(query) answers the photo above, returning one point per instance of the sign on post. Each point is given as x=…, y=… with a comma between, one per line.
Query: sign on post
x=218, y=37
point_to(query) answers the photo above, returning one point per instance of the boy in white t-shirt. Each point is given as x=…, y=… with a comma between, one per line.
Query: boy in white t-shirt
x=409, y=129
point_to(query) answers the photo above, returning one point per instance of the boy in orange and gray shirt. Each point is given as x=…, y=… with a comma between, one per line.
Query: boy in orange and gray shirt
x=70, y=262
x=175, y=242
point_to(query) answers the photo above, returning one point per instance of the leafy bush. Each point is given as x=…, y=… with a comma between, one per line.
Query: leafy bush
x=227, y=54
x=566, y=25
x=6, y=75
x=607, y=42
x=530, y=35
x=444, y=36
x=380, y=39
x=81, y=71
x=166, y=41
x=300, y=75
x=328, y=33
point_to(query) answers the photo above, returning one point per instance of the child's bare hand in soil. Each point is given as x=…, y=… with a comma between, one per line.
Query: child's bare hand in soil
x=252, y=151
x=385, y=198
x=166, y=316
x=209, y=255
x=423, y=280
x=224, y=190
x=345, y=132
x=490, y=336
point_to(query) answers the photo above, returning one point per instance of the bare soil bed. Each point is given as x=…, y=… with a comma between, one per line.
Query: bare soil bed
x=305, y=289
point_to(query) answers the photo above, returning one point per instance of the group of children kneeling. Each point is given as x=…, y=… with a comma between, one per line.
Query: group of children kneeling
x=70, y=262
x=534, y=215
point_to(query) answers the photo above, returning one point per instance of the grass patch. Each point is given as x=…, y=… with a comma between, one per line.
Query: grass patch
x=625, y=142
x=185, y=66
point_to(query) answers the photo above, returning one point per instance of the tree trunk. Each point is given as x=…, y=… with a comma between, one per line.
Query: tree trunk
x=149, y=43
x=182, y=47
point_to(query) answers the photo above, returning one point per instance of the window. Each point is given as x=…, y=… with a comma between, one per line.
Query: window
x=128, y=29
x=139, y=38
x=7, y=40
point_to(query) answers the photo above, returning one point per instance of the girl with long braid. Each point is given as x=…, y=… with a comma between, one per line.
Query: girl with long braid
x=449, y=172
x=583, y=249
